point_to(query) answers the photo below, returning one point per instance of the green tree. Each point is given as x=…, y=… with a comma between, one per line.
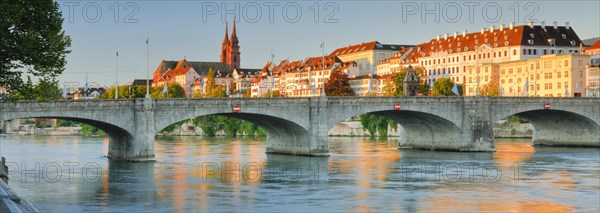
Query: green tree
x=218, y=91
x=47, y=90
x=338, y=85
x=209, y=125
x=174, y=90
x=376, y=124
x=443, y=87
x=44, y=90
x=490, y=89
x=33, y=43
x=394, y=85
x=268, y=94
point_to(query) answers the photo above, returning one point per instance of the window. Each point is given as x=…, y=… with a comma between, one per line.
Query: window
x=566, y=74
x=505, y=53
x=502, y=71
x=510, y=81
x=514, y=52
x=519, y=69
x=566, y=63
x=502, y=81
x=558, y=85
x=510, y=70
x=558, y=75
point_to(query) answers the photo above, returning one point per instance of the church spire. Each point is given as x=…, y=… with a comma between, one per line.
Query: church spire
x=226, y=39
x=234, y=39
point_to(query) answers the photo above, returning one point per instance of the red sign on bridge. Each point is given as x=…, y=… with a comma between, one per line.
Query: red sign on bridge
x=236, y=109
x=547, y=106
x=397, y=107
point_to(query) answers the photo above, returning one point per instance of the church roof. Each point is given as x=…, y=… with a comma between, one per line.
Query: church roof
x=201, y=67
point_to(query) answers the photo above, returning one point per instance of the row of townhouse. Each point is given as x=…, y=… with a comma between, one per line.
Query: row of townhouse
x=549, y=59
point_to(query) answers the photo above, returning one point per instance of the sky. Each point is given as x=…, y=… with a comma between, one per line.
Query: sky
x=290, y=29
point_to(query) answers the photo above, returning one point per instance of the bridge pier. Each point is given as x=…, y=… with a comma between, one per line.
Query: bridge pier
x=139, y=144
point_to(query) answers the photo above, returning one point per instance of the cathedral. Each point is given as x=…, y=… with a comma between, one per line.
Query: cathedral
x=230, y=49
x=227, y=69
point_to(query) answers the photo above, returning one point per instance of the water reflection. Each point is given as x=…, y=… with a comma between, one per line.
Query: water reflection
x=361, y=175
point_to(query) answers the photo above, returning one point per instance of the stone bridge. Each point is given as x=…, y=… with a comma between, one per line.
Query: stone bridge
x=299, y=126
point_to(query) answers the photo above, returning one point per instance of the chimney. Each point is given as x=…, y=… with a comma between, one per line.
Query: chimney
x=511, y=25
x=492, y=28
x=543, y=24
x=438, y=37
x=465, y=33
x=446, y=36
x=567, y=26
x=455, y=33
x=482, y=30
x=530, y=23
x=555, y=24
x=501, y=27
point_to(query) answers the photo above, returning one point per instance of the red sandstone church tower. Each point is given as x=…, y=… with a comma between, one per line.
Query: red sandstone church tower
x=230, y=48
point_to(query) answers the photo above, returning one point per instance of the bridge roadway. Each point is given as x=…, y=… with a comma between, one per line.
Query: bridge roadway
x=299, y=126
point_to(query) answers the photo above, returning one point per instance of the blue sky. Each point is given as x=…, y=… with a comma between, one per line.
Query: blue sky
x=195, y=30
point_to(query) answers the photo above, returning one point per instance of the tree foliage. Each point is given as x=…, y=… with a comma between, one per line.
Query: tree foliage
x=174, y=90
x=32, y=43
x=394, y=85
x=268, y=94
x=44, y=90
x=490, y=89
x=443, y=87
x=376, y=124
x=338, y=85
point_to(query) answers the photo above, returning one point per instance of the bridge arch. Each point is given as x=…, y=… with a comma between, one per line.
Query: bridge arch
x=561, y=128
x=421, y=130
x=287, y=133
x=114, y=117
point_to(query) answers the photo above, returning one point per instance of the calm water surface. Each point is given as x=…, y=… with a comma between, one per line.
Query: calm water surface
x=66, y=174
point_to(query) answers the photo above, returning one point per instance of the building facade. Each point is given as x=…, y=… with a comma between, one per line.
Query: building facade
x=547, y=76
x=448, y=56
x=367, y=55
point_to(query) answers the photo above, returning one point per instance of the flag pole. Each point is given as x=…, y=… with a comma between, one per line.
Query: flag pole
x=117, y=76
x=148, y=65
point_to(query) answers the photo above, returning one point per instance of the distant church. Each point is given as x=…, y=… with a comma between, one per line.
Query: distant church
x=227, y=68
x=230, y=49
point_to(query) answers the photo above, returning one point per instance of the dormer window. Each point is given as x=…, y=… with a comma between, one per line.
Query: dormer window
x=530, y=41
x=573, y=43
x=564, y=36
x=532, y=35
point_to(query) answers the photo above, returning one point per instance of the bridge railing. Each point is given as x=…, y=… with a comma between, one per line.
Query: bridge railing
x=64, y=104
x=280, y=101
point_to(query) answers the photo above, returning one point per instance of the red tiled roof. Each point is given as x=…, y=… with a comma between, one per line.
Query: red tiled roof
x=519, y=35
x=174, y=72
x=594, y=46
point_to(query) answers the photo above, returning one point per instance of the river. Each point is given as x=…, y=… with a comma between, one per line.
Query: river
x=70, y=173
